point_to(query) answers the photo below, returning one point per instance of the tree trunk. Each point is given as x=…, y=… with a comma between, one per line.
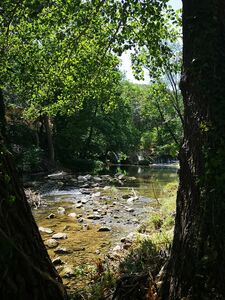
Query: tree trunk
x=196, y=268
x=2, y=115
x=51, y=151
x=26, y=271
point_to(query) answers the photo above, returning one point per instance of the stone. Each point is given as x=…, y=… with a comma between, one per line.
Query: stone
x=121, y=177
x=59, y=236
x=61, y=210
x=45, y=230
x=57, y=261
x=85, y=227
x=84, y=201
x=130, y=209
x=130, y=200
x=127, y=246
x=79, y=205
x=117, y=248
x=79, y=249
x=85, y=185
x=86, y=192
x=67, y=272
x=107, y=187
x=66, y=227
x=88, y=177
x=132, y=178
x=51, y=243
x=126, y=196
x=51, y=216
x=104, y=229
x=96, y=178
x=80, y=220
x=81, y=178
x=96, y=195
x=94, y=217
x=58, y=175
x=60, y=250
x=72, y=215
x=94, y=185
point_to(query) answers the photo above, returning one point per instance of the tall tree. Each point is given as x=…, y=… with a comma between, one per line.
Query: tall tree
x=196, y=268
x=26, y=270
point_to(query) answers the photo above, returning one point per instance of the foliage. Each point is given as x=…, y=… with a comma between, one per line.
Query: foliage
x=61, y=59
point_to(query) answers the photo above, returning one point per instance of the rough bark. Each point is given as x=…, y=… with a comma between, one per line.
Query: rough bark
x=26, y=271
x=196, y=268
x=2, y=115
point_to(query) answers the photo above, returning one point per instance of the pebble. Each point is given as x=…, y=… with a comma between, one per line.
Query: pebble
x=72, y=215
x=129, y=209
x=80, y=220
x=67, y=272
x=85, y=227
x=117, y=248
x=51, y=243
x=59, y=236
x=103, y=229
x=57, y=261
x=61, y=210
x=60, y=250
x=95, y=195
x=51, y=216
x=94, y=217
x=45, y=230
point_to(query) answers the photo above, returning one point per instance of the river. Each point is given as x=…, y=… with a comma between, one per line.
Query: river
x=91, y=213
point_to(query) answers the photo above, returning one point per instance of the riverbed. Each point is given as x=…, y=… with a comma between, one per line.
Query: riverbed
x=85, y=217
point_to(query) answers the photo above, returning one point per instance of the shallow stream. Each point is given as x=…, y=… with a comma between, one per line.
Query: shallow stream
x=93, y=213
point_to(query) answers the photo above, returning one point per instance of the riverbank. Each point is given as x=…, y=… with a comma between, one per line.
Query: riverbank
x=89, y=230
